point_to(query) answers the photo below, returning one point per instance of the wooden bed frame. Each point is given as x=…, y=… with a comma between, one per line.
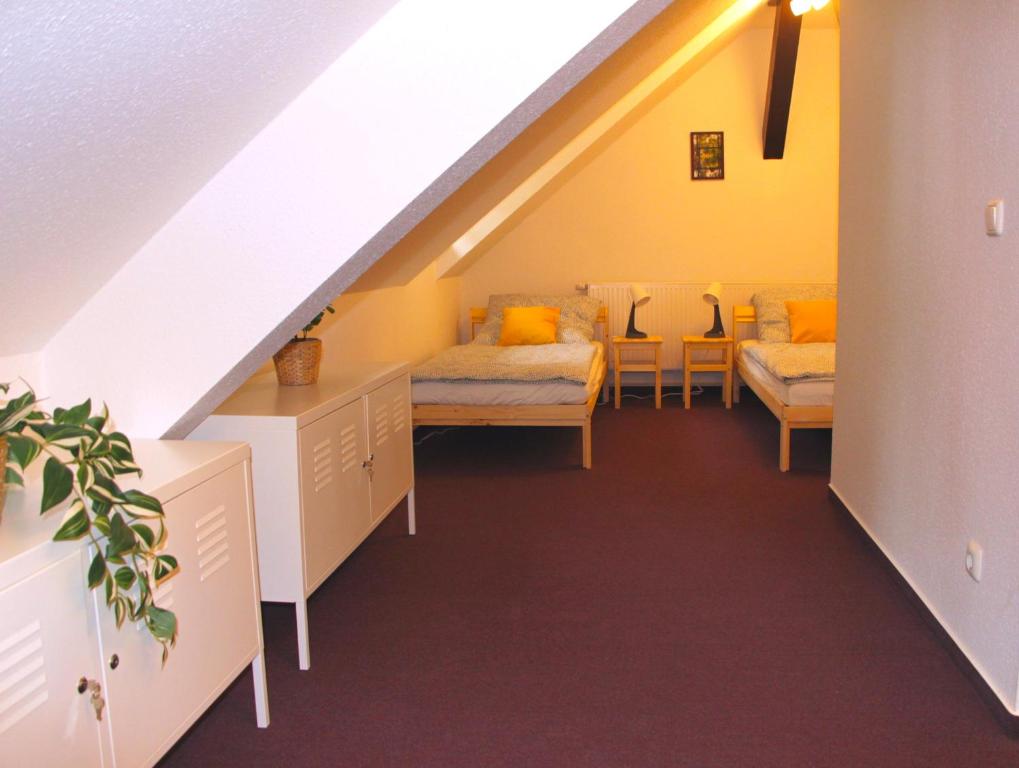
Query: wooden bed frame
x=575, y=415
x=790, y=417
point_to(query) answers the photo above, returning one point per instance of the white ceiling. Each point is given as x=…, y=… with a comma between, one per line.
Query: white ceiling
x=115, y=113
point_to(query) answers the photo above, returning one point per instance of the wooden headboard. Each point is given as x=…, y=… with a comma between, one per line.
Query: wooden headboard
x=479, y=314
x=742, y=316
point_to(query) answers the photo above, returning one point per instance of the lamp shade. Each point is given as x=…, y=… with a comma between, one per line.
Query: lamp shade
x=713, y=294
x=639, y=294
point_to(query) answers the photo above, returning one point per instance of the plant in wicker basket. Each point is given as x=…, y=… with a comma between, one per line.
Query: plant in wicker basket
x=297, y=363
x=125, y=527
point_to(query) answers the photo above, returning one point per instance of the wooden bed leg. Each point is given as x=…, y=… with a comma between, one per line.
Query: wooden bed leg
x=783, y=446
x=585, y=431
x=735, y=387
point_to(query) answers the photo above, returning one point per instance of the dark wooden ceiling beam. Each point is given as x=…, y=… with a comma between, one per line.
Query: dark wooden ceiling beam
x=785, y=44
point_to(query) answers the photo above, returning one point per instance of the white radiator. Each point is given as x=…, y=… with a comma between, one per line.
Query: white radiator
x=675, y=310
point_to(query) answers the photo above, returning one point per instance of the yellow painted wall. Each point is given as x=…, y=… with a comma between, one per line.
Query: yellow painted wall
x=402, y=322
x=631, y=212
x=407, y=321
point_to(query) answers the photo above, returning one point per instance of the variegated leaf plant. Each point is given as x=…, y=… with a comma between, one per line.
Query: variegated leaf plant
x=126, y=527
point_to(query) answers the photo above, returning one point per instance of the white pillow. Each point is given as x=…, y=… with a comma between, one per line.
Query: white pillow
x=577, y=315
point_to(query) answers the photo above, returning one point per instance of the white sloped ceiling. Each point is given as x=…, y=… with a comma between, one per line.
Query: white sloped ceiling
x=115, y=113
x=193, y=180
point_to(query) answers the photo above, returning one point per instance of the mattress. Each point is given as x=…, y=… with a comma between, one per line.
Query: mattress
x=803, y=392
x=555, y=392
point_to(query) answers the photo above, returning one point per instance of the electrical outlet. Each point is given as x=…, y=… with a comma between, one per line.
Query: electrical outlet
x=974, y=560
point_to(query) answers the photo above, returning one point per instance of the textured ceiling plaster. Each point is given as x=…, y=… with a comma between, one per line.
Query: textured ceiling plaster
x=115, y=113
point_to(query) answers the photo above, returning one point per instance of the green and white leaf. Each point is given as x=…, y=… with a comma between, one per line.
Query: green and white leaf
x=75, y=523
x=57, y=482
x=24, y=450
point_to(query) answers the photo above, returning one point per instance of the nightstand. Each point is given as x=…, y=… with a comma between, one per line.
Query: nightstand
x=621, y=344
x=723, y=364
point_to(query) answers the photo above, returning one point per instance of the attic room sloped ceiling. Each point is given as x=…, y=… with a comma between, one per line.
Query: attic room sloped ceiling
x=178, y=214
x=116, y=113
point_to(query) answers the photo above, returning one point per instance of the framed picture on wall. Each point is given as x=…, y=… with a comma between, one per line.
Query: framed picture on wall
x=707, y=155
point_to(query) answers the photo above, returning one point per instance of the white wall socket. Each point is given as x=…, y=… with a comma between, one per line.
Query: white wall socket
x=974, y=560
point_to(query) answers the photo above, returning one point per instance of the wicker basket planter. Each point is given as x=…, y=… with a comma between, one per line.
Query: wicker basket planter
x=3, y=468
x=297, y=363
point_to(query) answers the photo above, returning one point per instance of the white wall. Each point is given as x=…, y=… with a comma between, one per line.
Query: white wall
x=630, y=211
x=925, y=446
x=408, y=112
x=27, y=368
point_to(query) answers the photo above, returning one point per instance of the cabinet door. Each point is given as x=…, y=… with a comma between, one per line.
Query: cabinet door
x=213, y=595
x=390, y=442
x=334, y=490
x=47, y=643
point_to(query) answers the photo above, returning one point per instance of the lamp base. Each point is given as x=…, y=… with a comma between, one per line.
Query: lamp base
x=717, y=331
x=631, y=332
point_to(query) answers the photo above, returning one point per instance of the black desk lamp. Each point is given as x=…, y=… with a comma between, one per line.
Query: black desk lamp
x=640, y=297
x=711, y=296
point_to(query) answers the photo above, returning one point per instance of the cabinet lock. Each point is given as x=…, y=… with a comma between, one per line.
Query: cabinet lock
x=95, y=695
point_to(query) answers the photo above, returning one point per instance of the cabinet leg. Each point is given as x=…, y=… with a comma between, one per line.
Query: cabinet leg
x=412, y=527
x=303, y=646
x=261, y=691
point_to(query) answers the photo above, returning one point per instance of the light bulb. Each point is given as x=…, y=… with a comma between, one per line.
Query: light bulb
x=800, y=7
x=819, y=4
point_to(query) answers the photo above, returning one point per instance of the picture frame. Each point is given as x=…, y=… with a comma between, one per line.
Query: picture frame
x=707, y=155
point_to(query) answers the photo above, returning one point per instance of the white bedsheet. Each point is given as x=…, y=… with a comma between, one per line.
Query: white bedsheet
x=806, y=392
x=509, y=392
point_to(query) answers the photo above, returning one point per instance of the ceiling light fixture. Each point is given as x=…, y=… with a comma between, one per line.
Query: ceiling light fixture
x=800, y=7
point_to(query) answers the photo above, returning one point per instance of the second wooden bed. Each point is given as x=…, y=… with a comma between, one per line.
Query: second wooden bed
x=568, y=415
x=790, y=417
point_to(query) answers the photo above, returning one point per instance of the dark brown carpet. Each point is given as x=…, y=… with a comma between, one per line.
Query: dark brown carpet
x=681, y=604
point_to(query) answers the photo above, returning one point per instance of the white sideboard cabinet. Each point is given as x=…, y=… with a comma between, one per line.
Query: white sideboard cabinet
x=57, y=636
x=330, y=460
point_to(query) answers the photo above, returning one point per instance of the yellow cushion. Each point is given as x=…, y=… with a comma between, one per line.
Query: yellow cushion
x=528, y=325
x=811, y=320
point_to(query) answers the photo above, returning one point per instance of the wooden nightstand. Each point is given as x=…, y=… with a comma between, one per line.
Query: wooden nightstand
x=718, y=365
x=620, y=343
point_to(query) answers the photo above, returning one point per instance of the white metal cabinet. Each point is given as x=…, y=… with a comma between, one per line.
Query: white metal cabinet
x=212, y=595
x=54, y=631
x=330, y=461
x=47, y=643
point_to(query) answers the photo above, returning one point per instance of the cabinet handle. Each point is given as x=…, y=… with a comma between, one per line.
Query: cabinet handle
x=95, y=695
x=369, y=464
x=114, y=661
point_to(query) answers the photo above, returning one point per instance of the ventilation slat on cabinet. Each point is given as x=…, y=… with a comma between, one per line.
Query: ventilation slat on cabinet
x=348, y=448
x=398, y=411
x=212, y=537
x=381, y=424
x=22, y=675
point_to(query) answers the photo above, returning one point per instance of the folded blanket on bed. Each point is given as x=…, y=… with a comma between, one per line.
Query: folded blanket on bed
x=794, y=362
x=534, y=362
